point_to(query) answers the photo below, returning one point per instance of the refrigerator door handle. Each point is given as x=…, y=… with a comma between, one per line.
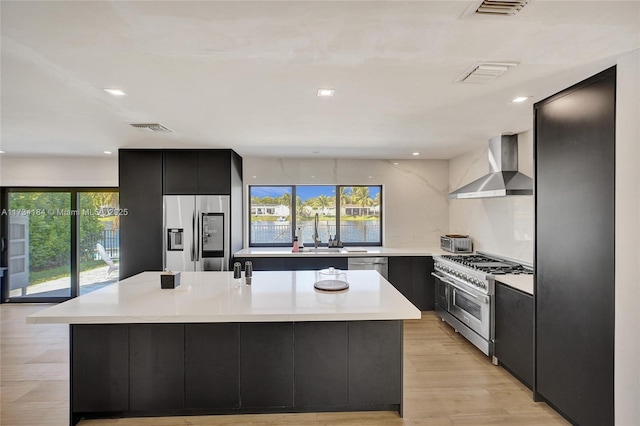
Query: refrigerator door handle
x=193, y=228
x=198, y=237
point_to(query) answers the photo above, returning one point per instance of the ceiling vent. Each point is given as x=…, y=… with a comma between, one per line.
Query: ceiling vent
x=501, y=7
x=153, y=127
x=485, y=72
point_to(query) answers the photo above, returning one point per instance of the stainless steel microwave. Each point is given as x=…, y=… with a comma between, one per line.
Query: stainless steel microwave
x=456, y=243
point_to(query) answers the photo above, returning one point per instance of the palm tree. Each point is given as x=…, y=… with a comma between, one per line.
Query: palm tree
x=322, y=202
x=360, y=196
x=344, y=196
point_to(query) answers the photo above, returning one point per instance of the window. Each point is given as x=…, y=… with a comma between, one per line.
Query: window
x=351, y=214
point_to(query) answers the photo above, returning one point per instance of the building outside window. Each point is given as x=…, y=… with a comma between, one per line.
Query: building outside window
x=349, y=214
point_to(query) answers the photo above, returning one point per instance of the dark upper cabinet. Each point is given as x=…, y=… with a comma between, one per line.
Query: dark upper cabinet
x=575, y=250
x=214, y=172
x=199, y=172
x=180, y=172
x=140, y=186
x=514, y=332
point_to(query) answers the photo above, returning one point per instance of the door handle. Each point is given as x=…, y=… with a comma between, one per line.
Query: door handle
x=198, y=237
x=3, y=244
x=479, y=298
x=193, y=230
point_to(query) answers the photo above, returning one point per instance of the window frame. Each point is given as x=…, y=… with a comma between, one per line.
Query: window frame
x=293, y=215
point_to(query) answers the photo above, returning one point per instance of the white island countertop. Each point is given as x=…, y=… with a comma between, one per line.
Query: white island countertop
x=368, y=251
x=278, y=296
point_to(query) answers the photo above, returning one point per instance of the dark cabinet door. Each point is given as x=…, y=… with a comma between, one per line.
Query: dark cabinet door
x=401, y=275
x=423, y=284
x=212, y=366
x=514, y=332
x=575, y=243
x=321, y=367
x=375, y=369
x=412, y=277
x=214, y=172
x=140, y=186
x=181, y=172
x=157, y=367
x=266, y=363
x=100, y=368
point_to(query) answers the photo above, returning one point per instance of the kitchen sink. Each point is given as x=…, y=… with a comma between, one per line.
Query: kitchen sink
x=322, y=250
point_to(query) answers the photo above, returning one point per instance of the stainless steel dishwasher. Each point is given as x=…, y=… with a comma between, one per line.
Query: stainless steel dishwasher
x=379, y=264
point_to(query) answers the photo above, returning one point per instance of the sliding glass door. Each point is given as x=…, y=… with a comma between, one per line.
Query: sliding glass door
x=59, y=243
x=99, y=248
x=39, y=244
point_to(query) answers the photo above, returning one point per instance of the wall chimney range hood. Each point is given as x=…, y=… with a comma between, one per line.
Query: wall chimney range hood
x=503, y=179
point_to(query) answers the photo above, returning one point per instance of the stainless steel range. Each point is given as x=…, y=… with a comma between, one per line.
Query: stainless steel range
x=465, y=288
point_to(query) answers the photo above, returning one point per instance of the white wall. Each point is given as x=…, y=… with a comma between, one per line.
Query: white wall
x=502, y=226
x=58, y=171
x=414, y=192
x=627, y=293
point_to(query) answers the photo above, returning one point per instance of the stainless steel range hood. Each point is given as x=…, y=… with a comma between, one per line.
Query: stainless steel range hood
x=503, y=179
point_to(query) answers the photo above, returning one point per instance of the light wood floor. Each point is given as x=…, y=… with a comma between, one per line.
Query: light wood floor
x=447, y=381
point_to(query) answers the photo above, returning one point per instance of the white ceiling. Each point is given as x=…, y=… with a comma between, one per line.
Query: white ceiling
x=244, y=75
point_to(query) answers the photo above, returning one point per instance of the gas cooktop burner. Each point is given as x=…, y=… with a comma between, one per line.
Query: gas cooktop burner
x=489, y=265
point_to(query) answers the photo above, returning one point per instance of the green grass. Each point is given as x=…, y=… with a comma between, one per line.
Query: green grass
x=36, y=277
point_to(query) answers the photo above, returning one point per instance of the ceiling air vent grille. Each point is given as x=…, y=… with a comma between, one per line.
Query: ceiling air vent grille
x=501, y=7
x=485, y=72
x=154, y=127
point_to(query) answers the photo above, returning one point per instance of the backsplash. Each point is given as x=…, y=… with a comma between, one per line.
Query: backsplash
x=503, y=226
x=415, y=211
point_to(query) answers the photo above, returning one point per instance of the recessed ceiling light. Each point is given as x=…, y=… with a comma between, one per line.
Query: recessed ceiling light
x=395, y=163
x=1, y=152
x=415, y=153
x=107, y=152
x=254, y=176
x=115, y=92
x=520, y=99
x=326, y=92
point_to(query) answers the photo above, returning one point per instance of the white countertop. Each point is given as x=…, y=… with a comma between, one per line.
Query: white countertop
x=217, y=297
x=345, y=252
x=523, y=283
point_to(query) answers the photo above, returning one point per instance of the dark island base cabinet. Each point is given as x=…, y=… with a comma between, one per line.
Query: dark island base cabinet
x=514, y=332
x=130, y=370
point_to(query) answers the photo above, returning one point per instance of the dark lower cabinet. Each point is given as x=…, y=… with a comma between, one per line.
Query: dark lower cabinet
x=294, y=263
x=514, y=332
x=266, y=364
x=321, y=360
x=575, y=250
x=212, y=365
x=156, y=367
x=375, y=371
x=411, y=276
x=100, y=367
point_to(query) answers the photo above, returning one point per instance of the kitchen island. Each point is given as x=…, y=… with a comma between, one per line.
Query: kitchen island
x=215, y=345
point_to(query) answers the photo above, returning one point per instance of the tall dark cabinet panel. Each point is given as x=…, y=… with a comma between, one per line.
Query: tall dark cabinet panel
x=574, y=254
x=140, y=182
x=147, y=175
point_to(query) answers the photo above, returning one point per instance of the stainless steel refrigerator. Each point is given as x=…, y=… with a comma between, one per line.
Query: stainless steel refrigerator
x=196, y=232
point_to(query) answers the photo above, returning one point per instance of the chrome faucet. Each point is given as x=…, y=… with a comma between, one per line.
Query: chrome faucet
x=316, y=240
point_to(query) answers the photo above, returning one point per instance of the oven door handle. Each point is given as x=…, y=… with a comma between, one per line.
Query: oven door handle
x=480, y=298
